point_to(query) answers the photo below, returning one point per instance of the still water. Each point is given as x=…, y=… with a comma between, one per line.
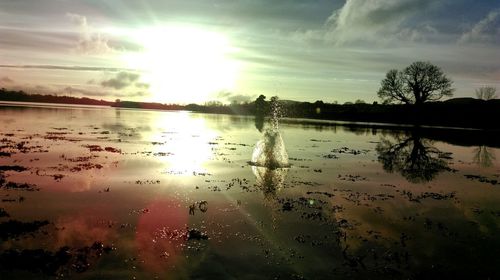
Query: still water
x=106, y=193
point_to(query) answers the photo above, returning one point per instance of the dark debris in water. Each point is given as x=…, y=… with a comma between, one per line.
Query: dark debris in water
x=199, y=205
x=417, y=198
x=3, y=213
x=16, y=186
x=351, y=178
x=330, y=156
x=346, y=150
x=16, y=168
x=14, y=228
x=112, y=150
x=482, y=179
x=93, y=148
x=65, y=261
x=194, y=234
x=318, y=140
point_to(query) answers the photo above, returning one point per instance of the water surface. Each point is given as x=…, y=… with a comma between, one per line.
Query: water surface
x=115, y=193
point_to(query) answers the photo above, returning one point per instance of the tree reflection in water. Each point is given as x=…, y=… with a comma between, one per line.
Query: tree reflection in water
x=483, y=156
x=415, y=158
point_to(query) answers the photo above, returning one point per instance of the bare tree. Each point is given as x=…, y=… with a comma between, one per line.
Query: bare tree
x=486, y=93
x=418, y=83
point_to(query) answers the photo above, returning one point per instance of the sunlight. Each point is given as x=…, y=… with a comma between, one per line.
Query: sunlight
x=186, y=147
x=183, y=64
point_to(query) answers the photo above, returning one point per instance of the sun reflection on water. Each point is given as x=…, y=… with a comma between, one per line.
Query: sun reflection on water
x=183, y=143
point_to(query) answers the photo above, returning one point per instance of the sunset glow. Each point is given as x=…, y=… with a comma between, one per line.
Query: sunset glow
x=192, y=51
x=184, y=64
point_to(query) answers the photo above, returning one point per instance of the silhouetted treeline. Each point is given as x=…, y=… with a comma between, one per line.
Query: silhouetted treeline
x=146, y=105
x=232, y=109
x=21, y=96
x=458, y=112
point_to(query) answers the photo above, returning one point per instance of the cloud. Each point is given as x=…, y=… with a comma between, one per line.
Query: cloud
x=98, y=93
x=486, y=30
x=360, y=18
x=35, y=40
x=122, y=80
x=86, y=92
x=89, y=42
x=6, y=80
x=32, y=89
x=142, y=85
x=372, y=21
x=63, y=67
x=421, y=33
x=226, y=96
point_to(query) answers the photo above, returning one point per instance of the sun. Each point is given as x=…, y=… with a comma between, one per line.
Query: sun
x=184, y=64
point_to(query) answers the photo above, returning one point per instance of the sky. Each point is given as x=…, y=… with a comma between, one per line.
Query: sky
x=183, y=51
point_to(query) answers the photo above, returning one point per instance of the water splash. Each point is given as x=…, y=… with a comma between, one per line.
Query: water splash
x=270, y=151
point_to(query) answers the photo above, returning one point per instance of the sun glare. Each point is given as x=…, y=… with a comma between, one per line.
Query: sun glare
x=187, y=143
x=184, y=65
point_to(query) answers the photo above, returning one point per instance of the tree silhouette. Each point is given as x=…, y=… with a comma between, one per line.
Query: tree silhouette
x=260, y=112
x=486, y=93
x=416, y=84
x=412, y=156
x=260, y=105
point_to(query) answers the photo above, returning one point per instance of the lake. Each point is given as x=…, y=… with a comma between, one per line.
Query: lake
x=108, y=193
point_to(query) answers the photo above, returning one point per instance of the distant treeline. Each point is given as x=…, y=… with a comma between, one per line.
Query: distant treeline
x=21, y=96
x=458, y=112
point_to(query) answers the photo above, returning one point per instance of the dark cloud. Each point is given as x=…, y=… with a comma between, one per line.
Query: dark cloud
x=101, y=94
x=85, y=92
x=122, y=80
x=226, y=96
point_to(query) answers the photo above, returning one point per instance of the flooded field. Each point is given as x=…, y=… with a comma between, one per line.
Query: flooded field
x=106, y=193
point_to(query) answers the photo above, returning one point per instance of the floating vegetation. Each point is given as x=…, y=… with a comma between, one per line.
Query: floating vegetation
x=15, y=168
x=346, y=150
x=112, y=150
x=93, y=148
x=482, y=179
x=351, y=177
x=18, y=186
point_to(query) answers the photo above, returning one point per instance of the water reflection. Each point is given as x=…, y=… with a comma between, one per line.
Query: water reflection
x=259, y=122
x=270, y=181
x=484, y=156
x=182, y=142
x=326, y=218
x=415, y=158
